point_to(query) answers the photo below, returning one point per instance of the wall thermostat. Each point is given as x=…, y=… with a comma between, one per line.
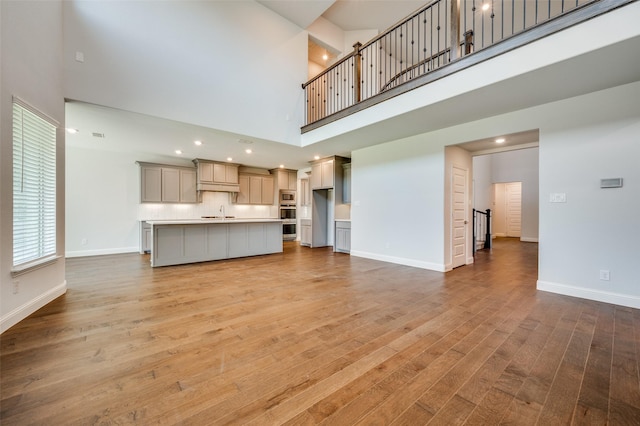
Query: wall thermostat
x=611, y=183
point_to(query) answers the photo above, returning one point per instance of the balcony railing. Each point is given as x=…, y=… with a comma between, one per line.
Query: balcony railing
x=440, y=33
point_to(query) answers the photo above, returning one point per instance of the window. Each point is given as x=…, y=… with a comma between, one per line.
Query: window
x=34, y=186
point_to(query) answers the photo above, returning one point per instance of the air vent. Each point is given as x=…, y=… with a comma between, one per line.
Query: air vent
x=98, y=135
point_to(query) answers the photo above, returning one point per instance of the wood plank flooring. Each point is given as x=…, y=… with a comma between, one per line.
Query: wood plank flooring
x=313, y=337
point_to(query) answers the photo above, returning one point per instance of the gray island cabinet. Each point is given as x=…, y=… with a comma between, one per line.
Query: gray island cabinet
x=176, y=242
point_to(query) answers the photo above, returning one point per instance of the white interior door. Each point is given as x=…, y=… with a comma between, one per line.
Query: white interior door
x=513, y=198
x=459, y=201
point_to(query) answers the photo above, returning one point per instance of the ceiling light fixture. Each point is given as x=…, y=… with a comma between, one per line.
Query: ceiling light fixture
x=325, y=56
x=179, y=152
x=317, y=157
x=72, y=131
x=500, y=140
x=248, y=151
x=229, y=159
x=197, y=142
x=282, y=166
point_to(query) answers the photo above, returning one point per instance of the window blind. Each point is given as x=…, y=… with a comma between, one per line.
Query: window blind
x=34, y=185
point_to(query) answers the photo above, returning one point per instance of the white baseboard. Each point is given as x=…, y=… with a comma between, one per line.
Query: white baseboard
x=101, y=252
x=529, y=239
x=590, y=294
x=400, y=261
x=12, y=318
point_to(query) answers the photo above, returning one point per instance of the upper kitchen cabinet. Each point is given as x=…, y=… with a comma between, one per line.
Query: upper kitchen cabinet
x=256, y=189
x=287, y=179
x=161, y=183
x=216, y=176
x=305, y=192
x=325, y=172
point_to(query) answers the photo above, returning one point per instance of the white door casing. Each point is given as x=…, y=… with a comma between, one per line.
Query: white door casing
x=459, y=200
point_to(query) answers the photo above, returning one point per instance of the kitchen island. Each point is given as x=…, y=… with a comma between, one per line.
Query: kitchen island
x=175, y=242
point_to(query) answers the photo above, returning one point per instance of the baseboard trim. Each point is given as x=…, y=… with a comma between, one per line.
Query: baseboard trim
x=400, y=261
x=529, y=239
x=12, y=318
x=590, y=294
x=102, y=252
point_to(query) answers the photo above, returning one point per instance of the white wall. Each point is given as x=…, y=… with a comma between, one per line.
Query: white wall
x=31, y=37
x=397, y=197
x=596, y=228
x=228, y=65
x=103, y=202
x=399, y=188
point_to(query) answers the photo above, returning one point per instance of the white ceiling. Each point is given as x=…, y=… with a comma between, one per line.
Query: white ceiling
x=349, y=15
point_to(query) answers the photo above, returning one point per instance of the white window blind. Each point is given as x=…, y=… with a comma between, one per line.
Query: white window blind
x=34, y=185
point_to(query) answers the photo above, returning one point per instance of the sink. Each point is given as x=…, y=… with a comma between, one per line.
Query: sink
x=218, y=217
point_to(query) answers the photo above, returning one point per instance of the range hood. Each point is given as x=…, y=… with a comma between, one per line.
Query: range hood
x=218, y=187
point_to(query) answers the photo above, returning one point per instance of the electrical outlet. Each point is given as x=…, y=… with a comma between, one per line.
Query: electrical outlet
x=16, y=287
x=604, y=274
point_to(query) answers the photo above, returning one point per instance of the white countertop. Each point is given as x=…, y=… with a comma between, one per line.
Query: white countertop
x=207, y=221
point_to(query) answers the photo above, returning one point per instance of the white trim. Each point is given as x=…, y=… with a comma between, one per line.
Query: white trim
x=590, y=294
x=500, y=234
x=528, y=239
x=12, y=318
x=400, y=261
x=102, y=252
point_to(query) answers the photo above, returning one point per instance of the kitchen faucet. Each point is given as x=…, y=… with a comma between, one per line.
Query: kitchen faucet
x=222, y=210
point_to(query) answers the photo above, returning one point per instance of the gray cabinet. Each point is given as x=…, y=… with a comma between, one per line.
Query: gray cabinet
x=151, y=184
x=216, y=176
x=180, y=243
x=255, y=189
x=322, y=174
x=145, y=237
x=287, y=180
x=305, y=232
x=343, y=237
x=188, y=193
x=305, y=192
x=161, y=183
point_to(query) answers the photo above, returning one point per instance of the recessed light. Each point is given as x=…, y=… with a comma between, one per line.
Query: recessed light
x=197, y=142
x=325, y=56
x=500, y=140
x=282, y=166
x=317, y=157
x=179, y=152
x=485, y=6
x=229, y=159
x=248, y=151
x=72, y=131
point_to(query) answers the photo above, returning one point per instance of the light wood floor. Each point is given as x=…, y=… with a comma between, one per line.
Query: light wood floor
x=311, y=337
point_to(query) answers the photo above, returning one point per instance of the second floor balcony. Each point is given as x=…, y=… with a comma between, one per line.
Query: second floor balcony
x=440, y=39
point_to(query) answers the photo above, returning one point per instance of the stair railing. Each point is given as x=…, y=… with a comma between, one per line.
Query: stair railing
x=436, y=35
x=481, y=229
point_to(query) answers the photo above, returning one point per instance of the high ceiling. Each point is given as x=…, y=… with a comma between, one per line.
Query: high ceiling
x=349, y=15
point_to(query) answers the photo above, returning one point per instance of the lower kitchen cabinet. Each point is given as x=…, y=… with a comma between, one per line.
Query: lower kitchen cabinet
x=305, y=232
x=342, y=242
x=145, y=237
